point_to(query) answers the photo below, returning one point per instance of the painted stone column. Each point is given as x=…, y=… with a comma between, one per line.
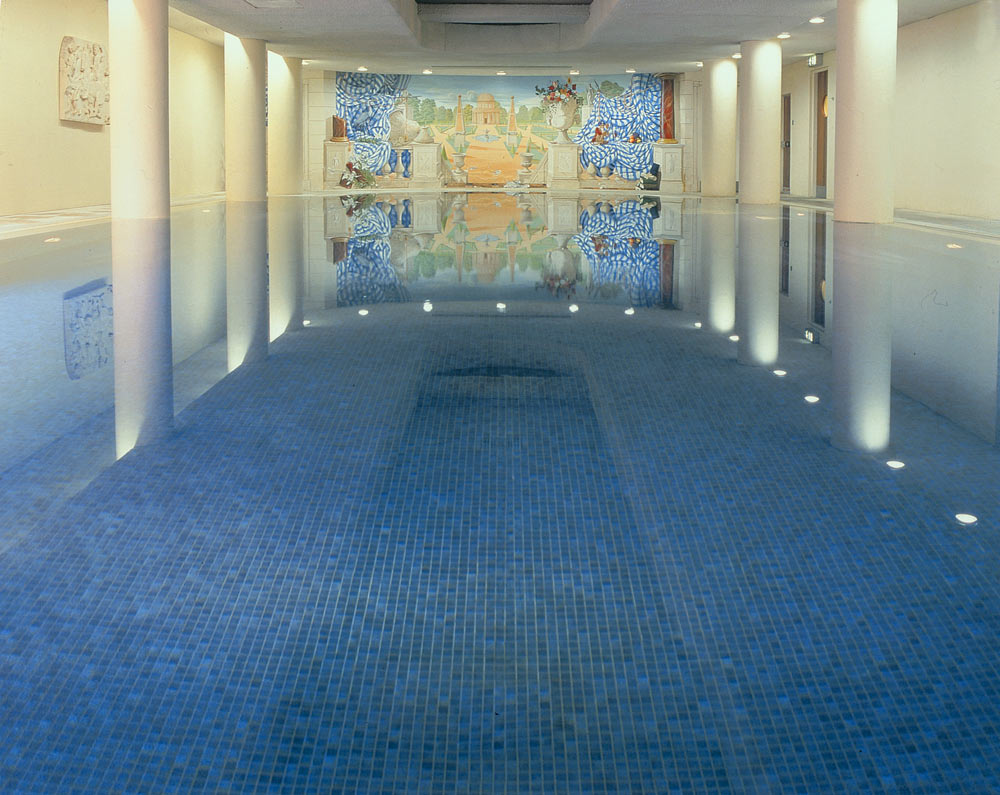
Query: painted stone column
x=140, y=222
x=718, y=135
x=246, y=201
x=284, y=130
x=863, y=203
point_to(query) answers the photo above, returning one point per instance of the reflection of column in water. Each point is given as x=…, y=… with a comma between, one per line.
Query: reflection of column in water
x=285, y=259
x=718, y=259
x=246, y=282
x=759, y=268
x=144, y=393
x=862, y=338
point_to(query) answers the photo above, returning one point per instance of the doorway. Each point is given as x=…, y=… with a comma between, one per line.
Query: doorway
x=821, y=111
x=786, y=143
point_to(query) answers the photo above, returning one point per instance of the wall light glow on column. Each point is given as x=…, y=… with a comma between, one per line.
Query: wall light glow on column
x=895, y=464
x=363, y=312
x=811, y=399
x=574, y=308
x=966, y=518
x=630, y=311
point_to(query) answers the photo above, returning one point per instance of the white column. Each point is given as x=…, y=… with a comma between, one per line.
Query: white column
x=863, y=202
x=246, y=201
x=718, y=260
x=718, y=135
x=757, y=285
x=140, y=221
x=866, y=85
x=284, y=128
x=760, y=122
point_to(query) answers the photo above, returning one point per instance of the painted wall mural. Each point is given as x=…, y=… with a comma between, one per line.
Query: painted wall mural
x=500, y=123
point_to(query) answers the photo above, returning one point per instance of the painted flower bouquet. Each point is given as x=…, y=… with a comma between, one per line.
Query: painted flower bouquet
x=357, y=176
x=557, y=92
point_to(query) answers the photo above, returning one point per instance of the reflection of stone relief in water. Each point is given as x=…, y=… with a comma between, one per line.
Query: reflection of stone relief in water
x=87, y=328
x=84, y=95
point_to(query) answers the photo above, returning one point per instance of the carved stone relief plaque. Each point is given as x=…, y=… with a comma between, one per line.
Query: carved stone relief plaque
x=84, y=95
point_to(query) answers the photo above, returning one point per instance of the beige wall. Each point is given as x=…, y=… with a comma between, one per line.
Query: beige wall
x=48, y=164
x=45, y=163
x=197, y=103
x=948, y=113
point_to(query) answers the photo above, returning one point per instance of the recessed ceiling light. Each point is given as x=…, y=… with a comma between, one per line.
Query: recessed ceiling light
x=362, y=68
x=363, y=312
x=817, y=20
x=52, y=240
x=501, y=72
x=630, y=71
x=811, y=399
x=428, y=71
x=574, y=71
x=800, y=214
x=734, y=337
x=737, y=55
x=953, y=245
x=630, y=311
x=895, y=464
x=206, y=211
x=966, y=518
x=306, y=63
x=784, y=35
x=573, y=308
x=780, y=373
x=699, y=64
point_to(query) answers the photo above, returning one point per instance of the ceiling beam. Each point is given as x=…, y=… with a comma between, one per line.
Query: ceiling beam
x=503, y=13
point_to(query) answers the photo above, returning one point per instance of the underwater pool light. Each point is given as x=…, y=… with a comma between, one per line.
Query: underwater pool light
x=966, y=518
x=501, y=307
x=780, y=373
x=574, y=308
x=306, y=322
x=734, y=337
x=811, y=399
x=894, y=464
x=809, y=335
x=630, y=311
x=428, y=306
x=52, y=240
x=363, y=312
x=953, y=245
x=697, y=324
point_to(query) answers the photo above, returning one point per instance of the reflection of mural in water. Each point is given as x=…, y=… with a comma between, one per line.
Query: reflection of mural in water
x=617, y=242
x=493, y=238
x=502, y=120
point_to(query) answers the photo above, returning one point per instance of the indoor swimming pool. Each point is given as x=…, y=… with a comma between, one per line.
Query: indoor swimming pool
x=506, y=493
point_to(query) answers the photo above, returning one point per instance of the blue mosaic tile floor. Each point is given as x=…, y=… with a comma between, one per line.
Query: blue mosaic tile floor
x=521, y=553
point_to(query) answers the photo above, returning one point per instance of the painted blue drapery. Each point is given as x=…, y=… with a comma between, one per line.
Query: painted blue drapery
x=637, y=111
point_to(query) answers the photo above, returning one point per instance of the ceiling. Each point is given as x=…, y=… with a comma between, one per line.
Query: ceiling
x=526, y=36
